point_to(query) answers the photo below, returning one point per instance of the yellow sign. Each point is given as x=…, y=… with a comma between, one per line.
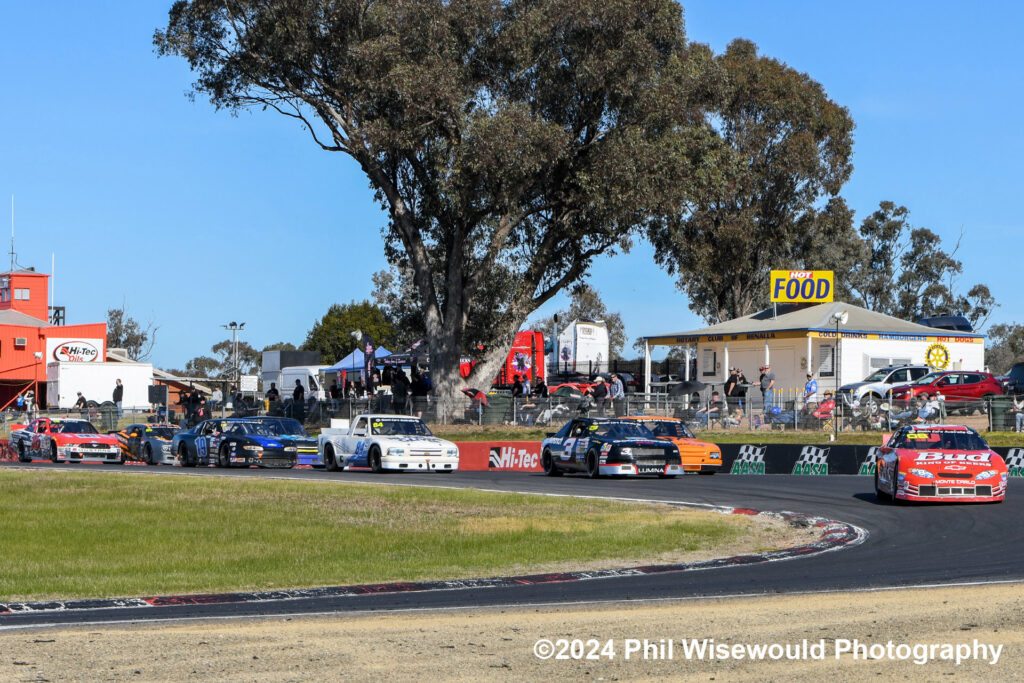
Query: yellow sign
x=800, y=286
x=937, y=356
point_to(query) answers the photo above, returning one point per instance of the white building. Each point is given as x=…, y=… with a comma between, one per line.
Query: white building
x=793, y=338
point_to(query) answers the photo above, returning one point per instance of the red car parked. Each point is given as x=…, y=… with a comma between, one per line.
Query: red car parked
x=954, y=385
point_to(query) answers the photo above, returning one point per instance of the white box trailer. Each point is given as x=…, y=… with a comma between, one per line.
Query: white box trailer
x=583, y=346
x=96, y=381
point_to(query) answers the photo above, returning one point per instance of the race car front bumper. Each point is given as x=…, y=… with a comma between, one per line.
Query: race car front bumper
x=629, y=469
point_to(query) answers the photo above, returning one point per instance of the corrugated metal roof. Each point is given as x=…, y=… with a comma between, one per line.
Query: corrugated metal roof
x=816, y=317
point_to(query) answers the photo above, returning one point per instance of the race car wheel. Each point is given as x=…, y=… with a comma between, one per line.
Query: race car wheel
x=183, y=458
x=548, y=463
x=223, y=459
x=53, y=452
x=879, y=493
x=330, y=462
x=375, y=463
x=147, y=455
x=895, y=478
x=22, y=455
x=593, y=467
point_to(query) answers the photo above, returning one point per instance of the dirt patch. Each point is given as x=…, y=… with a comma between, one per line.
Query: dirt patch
x=473, y=645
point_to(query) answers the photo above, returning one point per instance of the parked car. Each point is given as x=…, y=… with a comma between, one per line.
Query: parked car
x=876, y=386
x=1014, y=382
x=954, y=385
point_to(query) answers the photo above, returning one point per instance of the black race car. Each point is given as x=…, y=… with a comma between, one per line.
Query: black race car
x=599, y=446
x=232, y=442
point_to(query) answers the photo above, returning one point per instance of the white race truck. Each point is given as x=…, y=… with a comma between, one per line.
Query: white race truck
x=385, y=442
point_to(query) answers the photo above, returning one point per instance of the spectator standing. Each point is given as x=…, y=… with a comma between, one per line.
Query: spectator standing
x=1018, y=407
x=767, y=382
x=617, y=394
x=119, y=398
x=299, y=401
x=600, y=394
x=419, y=389
x=517, y=387
x=527, y=389
x=399, y=390
x=335, y=392
x=272, y=393
x=810, y=389
x=541, y=389
x=81, y=402
x=731, y=383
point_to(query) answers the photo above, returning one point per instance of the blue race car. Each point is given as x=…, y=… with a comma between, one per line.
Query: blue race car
x=597, y=446
x=232, y=442
x=290, y=431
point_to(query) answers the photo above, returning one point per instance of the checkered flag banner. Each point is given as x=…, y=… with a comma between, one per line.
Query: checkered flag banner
x=749, y=453
x=1015, y=457
x=813, y=455
x=872, y=457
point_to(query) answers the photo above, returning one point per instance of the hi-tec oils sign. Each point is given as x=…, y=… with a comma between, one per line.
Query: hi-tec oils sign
x=802, y=286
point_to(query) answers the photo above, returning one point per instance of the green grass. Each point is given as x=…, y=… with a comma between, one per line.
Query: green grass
x=85, y=534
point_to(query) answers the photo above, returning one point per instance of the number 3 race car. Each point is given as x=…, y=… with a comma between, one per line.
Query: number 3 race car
x=599, y=446
x=939, y=463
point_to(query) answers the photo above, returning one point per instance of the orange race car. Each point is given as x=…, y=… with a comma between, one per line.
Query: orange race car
x=698, y=456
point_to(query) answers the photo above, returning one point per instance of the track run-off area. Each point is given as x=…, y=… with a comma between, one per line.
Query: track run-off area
x=902, y=546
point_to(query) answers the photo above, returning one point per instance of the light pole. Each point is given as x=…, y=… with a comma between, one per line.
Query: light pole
x=235, y=327
x=840, y=317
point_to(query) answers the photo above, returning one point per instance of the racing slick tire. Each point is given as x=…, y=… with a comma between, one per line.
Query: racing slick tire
x=879, y=493
x=23, y=456
x=374, y=458
x=593, y=465
x=330, y=461
x=183, y=458
x=548, y=463
x=223, y=459
x=895, y=478
x=53, y=452
x=147, y=455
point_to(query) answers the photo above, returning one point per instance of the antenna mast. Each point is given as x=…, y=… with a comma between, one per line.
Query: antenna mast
x=12, y=233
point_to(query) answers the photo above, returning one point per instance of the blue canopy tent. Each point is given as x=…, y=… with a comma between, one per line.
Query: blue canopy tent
x=353, y=362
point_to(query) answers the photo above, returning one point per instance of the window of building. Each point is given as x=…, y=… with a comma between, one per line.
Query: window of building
x=826, y=360
x=21, y=295
x=709, y=359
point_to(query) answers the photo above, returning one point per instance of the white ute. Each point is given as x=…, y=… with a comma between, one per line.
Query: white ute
x=386, y=442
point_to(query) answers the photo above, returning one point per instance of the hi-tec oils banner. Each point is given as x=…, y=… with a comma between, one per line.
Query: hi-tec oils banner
x=802, y=286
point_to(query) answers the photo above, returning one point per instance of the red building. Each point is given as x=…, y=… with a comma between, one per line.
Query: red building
x=29, y=340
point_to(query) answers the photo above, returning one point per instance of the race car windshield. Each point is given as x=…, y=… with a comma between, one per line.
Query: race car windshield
x=399, y=428
x=942, y=441
x=160, y=432
x=257, y=428
x=286, y=427
x=622, y=430
x=929, y=378
x=74, y=428
x=670, y=429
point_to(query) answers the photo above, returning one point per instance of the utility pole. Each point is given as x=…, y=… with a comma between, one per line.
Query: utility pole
x=235, y=327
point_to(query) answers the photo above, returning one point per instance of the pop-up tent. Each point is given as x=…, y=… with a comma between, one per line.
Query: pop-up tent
x=355, y=360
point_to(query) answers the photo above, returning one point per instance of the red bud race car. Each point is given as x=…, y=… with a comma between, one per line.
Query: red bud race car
x=940, y=463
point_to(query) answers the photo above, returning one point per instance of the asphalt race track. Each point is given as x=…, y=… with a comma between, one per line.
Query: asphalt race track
x=906, y=545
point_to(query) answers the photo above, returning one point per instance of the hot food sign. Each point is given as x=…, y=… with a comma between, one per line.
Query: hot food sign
x=74, y=350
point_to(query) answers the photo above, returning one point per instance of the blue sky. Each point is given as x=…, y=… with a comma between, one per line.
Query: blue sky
x=194, y=218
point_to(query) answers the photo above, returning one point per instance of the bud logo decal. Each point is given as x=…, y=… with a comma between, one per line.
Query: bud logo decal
x=749, y=461
x=813, y=461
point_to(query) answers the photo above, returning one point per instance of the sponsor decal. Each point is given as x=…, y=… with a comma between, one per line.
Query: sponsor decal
x=76, y=351
x=954, y=457
x=813, y=461
x=512, y=458
x=749, y=461
x=1015, y=462
x=801, y=286
x=868, y=466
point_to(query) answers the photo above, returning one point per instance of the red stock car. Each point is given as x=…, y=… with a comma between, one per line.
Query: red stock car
x=940, y=463
x=66, y=440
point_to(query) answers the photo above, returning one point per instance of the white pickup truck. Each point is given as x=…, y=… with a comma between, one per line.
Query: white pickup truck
x=386, y=442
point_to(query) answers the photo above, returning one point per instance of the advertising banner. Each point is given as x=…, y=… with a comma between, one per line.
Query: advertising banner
x=802, y=286
x=500, y=456
x=74, y=350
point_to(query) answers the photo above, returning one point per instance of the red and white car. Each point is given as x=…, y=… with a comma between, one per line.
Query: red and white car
x=68, y=441
x=940, y=463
